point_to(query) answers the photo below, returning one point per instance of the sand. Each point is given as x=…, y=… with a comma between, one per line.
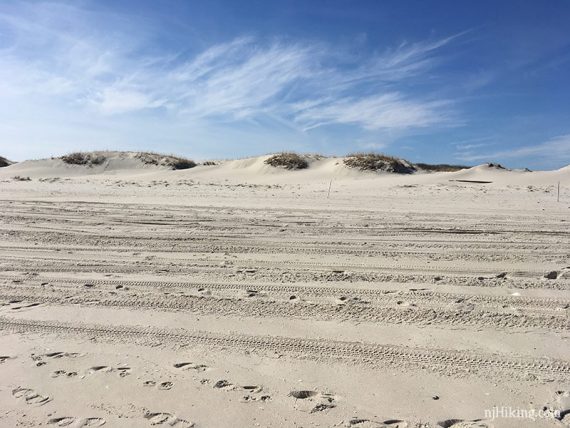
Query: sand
x=242, y=295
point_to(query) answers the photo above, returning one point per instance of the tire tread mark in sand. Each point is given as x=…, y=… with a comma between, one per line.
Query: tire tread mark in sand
x=321, y=311
x=277, y=273
x=56, y=265
x=446, y=362
x=516, y=302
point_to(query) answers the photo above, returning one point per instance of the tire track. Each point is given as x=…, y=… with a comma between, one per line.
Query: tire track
x=375, y=294
x=222, y=244
x=444, y=362
x=276, y=272
x=355, y=311
x=178, y=265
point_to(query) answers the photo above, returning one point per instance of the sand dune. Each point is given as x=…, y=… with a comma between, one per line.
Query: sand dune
x=256, y=170
x=240, y=294
x=99, y=163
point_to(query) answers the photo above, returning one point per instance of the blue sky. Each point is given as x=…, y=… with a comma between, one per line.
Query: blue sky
x=431, y=81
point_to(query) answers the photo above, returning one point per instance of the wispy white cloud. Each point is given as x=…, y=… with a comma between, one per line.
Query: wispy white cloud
x=251, y=80
x=67, y=62
x=241, y=78
x=388, y=110
x=112, y=101
x=557, y=148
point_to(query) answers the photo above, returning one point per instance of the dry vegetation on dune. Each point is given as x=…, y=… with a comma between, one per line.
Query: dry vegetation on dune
x=496, y=165
x=378, y=162
x=80, y=158
x=172, y=162
x=4, y=162
x=374, y=162
x=287, y=160
x=147, y=158
x=443, y=167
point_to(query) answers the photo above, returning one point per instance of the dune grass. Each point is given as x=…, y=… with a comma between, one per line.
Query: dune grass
x=148, y=158
x=4, y=162
x=287, y=160
x=82, y=158
x=170, y=161
x=378, y=162
x=442, y=167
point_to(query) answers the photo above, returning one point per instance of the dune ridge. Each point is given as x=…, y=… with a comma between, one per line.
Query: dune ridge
x=280, y=168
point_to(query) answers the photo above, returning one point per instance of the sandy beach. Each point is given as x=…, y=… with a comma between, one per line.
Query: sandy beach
x=239, y=294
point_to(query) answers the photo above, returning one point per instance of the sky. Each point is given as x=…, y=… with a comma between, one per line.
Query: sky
x=430, y=81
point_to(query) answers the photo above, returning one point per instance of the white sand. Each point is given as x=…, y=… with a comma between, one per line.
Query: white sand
x=396, y=301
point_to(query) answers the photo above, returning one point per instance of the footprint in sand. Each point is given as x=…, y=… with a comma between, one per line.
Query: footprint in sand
x=303, y=394
x=61, y=354
x=165, y=386
x=313, y=401
x=77, y=422
x=4, y=358
x=253, y=398
x=224, y=384
x=367, y=423
x=560, y=407
x=254, y=394
x=253, y=391
x=41, y=360
x=191, y=366
x=461, y=423
x=61, y=422
x=122, y=371
x=99, y=369
x=63, y=373
x=159, y=418
x=30, y=396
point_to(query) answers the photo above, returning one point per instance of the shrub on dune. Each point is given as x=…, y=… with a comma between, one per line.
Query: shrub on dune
x=81, y=158
x=287, y=160
x=378, y=162
x=4, y=162
x=172, y=162
x=441, y=167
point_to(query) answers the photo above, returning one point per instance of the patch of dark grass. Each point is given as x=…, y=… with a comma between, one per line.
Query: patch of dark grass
x=180, y=163
x=442, y=167
x=81, y=158
x=287, y=160
x=378, y=162
x=495, y=165
x=172, y=162
x=4, y=162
